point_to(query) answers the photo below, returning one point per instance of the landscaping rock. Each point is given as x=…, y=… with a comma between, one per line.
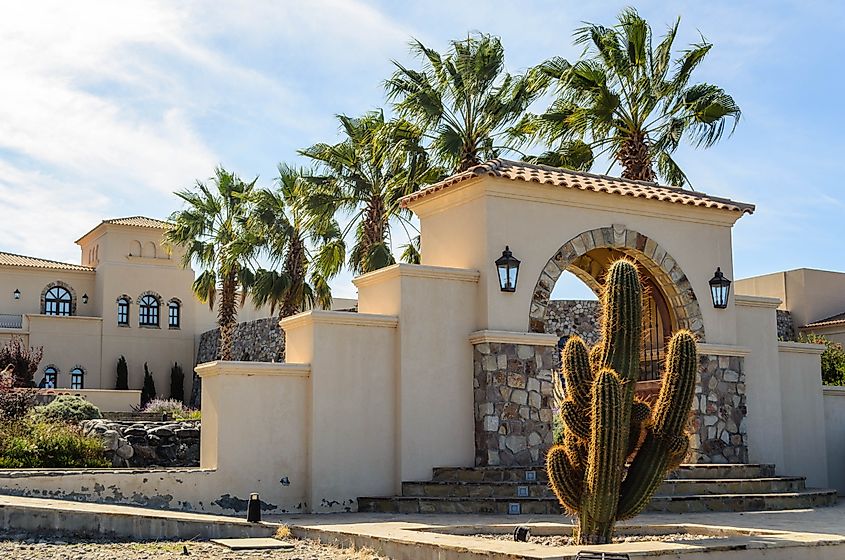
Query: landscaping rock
x=148, y=444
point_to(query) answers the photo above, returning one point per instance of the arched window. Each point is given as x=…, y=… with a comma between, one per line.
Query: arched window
x=51, y=377
x=57, y=301
x=148, y=311
x=174, y=312
x=123, y=311
x=77, y=378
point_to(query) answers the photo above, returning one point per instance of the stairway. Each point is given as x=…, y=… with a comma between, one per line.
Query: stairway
x=525, y=490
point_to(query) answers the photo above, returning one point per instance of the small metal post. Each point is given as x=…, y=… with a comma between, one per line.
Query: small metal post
x=253, y=512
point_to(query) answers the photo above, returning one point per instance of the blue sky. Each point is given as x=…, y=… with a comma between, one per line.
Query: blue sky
x=106, y=108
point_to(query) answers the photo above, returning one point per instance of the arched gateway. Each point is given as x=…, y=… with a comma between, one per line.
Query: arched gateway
x=670, y=301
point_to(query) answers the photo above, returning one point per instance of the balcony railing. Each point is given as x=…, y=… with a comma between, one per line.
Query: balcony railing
x=8, y=321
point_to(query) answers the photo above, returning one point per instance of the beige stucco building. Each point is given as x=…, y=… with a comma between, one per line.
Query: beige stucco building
x=129, y=296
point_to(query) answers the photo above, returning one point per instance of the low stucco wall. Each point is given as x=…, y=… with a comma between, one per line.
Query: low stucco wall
x=802, y=412
x=834, y=424
x=107, y=400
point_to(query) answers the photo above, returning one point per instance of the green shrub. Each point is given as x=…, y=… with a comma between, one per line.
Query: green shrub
x=33, y=443
x=833, y=359
x=66, y=408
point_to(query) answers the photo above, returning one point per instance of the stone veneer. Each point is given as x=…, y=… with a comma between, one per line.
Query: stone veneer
x=261, y=340
x=786, y=326
x=513, y=403
x=514, y=406
x=567, y=317
x=719, y=424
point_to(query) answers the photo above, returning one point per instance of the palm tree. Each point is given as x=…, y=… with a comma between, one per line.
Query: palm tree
x=299, y=239
x=630, y=102
x=464, y=101
x=377, y=163
x=213, y=230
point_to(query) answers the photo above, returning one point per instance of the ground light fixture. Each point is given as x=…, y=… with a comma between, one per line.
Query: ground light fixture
x=253, y=508
x=508, y=267
x=720, y=288
x=17, y=294
x=85, y=298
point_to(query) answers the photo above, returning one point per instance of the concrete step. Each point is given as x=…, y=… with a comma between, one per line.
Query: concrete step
x=538, y=473
x=543, y=506
x=540, y=489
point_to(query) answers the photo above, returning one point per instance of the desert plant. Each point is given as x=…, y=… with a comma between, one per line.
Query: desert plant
x=603, y=423
x=66, y=408
x=148, y=391
x=177, y=383
x=23, y=360
x=39, y=443
x=122, y=383
x=175, y=409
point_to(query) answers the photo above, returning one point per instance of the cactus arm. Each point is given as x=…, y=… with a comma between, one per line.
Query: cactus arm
x=576, y=420
x=665, y=439
x=564, y=478
x=575, y=361
x=622, y=310
x=605, y=460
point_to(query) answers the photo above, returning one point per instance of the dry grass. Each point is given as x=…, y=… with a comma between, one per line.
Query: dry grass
x=283, y=533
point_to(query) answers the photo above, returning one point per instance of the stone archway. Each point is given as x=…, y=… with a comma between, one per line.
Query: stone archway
x=657, y=262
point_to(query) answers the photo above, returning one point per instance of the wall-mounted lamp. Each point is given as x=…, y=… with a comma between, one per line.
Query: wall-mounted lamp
x=17, y=294
x=720, y=289
x=85, y=298
x=508, y=268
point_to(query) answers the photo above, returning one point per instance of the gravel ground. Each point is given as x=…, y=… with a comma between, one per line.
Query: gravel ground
x=564, y=540
x=57, y=547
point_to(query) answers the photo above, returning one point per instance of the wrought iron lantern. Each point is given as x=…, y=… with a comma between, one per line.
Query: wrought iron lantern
x=508, y=267
x=85, y=299
x=720, y=289
x=17, y=294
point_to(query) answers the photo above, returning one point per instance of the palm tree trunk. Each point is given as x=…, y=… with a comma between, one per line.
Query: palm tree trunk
x=293, y=301
x=227, y=313
x=636, y=158
x=374, y=227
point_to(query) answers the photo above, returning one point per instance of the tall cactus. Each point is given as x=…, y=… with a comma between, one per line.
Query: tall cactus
x=601, y=423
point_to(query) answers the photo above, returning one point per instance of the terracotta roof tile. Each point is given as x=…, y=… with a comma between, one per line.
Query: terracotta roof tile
x=140, y=221
x=829, y=322
x=532, y=173
x=11, y=259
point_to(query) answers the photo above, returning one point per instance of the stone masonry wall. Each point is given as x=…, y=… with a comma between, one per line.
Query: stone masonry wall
x=148, y=444
x=513, y=403
x=719, y=425
x=573, y=316
x=261, y=340
x=786, y=326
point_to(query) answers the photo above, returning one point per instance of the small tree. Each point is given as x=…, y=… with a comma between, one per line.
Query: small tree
x=122, y=375
x=23, y=361
x=833, y=358
x=177, y=383
x=148, y=392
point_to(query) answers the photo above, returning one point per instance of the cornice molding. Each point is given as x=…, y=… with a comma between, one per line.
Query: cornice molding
x=212, y=369
x=743, y=300
x=510, y=337
x=801, y=347
x=722, y=350
x=316, y=316
x=417, y=271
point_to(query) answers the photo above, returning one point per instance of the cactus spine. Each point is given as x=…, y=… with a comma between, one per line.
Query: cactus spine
x=600, y=424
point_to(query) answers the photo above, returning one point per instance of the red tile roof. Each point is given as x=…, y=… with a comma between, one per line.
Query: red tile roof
x=533, y=173
x=11, y=259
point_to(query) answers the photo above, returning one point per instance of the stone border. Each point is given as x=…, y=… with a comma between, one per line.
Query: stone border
x=647, y=252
